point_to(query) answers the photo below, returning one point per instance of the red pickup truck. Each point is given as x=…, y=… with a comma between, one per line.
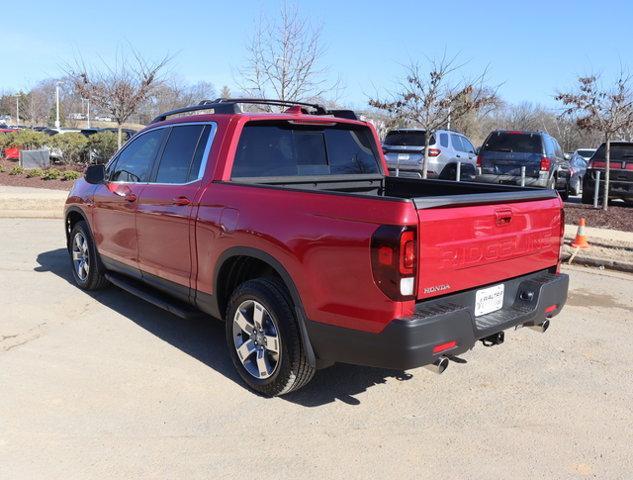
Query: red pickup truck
x=288, y=227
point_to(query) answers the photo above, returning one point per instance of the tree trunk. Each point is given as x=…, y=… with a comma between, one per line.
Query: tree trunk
x=120, y=134
x=607, y=170
x=425, y=164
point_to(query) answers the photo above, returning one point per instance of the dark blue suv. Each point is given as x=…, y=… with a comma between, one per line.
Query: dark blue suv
x=505, y=152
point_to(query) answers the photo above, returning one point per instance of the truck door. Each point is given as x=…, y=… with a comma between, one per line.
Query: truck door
x=116, y=201
x=163, y=217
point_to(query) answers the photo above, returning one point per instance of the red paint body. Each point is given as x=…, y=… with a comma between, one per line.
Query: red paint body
x=322, y=240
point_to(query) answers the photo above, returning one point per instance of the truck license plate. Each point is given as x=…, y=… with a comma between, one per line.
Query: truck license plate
x=403, y=156
x=488, y=300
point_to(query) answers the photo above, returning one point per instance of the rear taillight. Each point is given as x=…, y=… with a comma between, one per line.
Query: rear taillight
x=478, y=161
x=546, y=163
x=561, y=239
x=434, y=152
x=394, y=261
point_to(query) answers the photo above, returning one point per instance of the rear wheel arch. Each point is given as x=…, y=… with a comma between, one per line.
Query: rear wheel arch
x=240, y=264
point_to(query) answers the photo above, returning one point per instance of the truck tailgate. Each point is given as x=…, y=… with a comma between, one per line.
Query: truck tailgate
x=462, y=247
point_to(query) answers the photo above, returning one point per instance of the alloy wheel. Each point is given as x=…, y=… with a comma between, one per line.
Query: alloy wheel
x=81, y=257
x=256, y=339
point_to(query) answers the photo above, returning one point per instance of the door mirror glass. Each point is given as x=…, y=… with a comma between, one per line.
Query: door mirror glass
x=95, y=174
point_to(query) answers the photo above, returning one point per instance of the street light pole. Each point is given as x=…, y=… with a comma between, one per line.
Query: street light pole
x=17, y=110
x=57, y=124
x=88, y=111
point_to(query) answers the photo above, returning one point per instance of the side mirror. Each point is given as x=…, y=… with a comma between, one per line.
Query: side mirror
x=95, y=174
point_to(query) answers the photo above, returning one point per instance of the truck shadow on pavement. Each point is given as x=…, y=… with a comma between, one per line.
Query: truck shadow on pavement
x=205, y=341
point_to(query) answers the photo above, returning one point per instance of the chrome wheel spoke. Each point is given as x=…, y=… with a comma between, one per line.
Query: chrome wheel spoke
x=243, y=323
x=272, y=343
x=258, y=315
x=263, y=365
x=77, y=255
x=245, y=351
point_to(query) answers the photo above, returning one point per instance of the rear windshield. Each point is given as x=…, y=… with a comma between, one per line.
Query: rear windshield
x=286, y=150
x=585, y=153
x=619, y=151
x=406, y=138
x=513, y=142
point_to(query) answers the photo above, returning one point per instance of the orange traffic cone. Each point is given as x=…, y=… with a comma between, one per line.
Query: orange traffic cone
x=581, y=239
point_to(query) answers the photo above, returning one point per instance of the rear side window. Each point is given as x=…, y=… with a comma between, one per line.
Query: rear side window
x=134, y=163
x=176, y=161
x=280, y=150
x=513, y=142
x=468, y=147
x=444, y=140
x=456, y=140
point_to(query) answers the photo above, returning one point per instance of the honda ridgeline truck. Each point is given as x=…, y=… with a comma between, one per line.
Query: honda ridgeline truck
x=288, y=227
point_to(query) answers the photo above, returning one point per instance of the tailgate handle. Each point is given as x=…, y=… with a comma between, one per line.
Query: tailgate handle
x=503, y=217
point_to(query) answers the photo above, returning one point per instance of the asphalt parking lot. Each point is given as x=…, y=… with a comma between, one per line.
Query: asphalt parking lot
x=104, y=385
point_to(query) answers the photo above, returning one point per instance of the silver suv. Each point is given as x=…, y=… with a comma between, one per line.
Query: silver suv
x=404, y=152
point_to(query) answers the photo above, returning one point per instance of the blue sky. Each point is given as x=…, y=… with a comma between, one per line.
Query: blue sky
x=532, y=48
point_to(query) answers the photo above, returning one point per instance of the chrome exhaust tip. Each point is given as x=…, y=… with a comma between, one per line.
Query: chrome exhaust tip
x=542, y=327
x=438, y=366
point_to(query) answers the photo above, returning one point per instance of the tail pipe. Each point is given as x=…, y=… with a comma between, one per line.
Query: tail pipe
x=439, y=365
x=540, y=327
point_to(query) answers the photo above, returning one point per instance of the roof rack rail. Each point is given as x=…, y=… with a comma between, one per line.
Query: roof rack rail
x=231, y=105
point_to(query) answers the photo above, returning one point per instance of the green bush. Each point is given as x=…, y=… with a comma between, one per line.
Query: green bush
x=17, y=170
x=5, y=140
x=24, y=139
x=34, y=172
x=71, y=175
x=2, y=169
x=102, y=146
x=52, y=174
x=73, y=146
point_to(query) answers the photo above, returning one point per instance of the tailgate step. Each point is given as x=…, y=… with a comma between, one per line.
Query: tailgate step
x=155, y=297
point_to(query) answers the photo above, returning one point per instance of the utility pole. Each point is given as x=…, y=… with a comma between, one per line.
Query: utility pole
x=17, y=109
x=57, y=124
x=88, y=111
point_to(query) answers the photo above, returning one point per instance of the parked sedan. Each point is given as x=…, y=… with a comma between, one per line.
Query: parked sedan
x=577, y=169
x=585, y=153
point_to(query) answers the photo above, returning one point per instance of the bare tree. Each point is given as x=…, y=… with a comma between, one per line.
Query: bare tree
x=175, y=93
x=284, y=59
x=118, y=88
x=225, y=92
x=608, y=110
x=429, y=99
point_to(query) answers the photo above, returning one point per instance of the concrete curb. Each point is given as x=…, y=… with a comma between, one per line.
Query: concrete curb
x=599, y=262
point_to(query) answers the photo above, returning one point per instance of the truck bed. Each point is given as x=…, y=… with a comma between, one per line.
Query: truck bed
x=425, y=194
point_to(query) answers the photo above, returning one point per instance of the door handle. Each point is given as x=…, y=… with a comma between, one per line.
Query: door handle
x=182, y=201
x=130, y=197
x=503, y=217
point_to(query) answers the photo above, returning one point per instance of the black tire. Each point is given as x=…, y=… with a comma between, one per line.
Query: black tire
x=577, y=188
x=564, y=194
x=95, y=278
x=293, y=370
x=448, y=173
x=587, y=197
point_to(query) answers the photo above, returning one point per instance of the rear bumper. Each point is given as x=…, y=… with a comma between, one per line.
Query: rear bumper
x=540, y=181
x=620, y=183
x=409, y=342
